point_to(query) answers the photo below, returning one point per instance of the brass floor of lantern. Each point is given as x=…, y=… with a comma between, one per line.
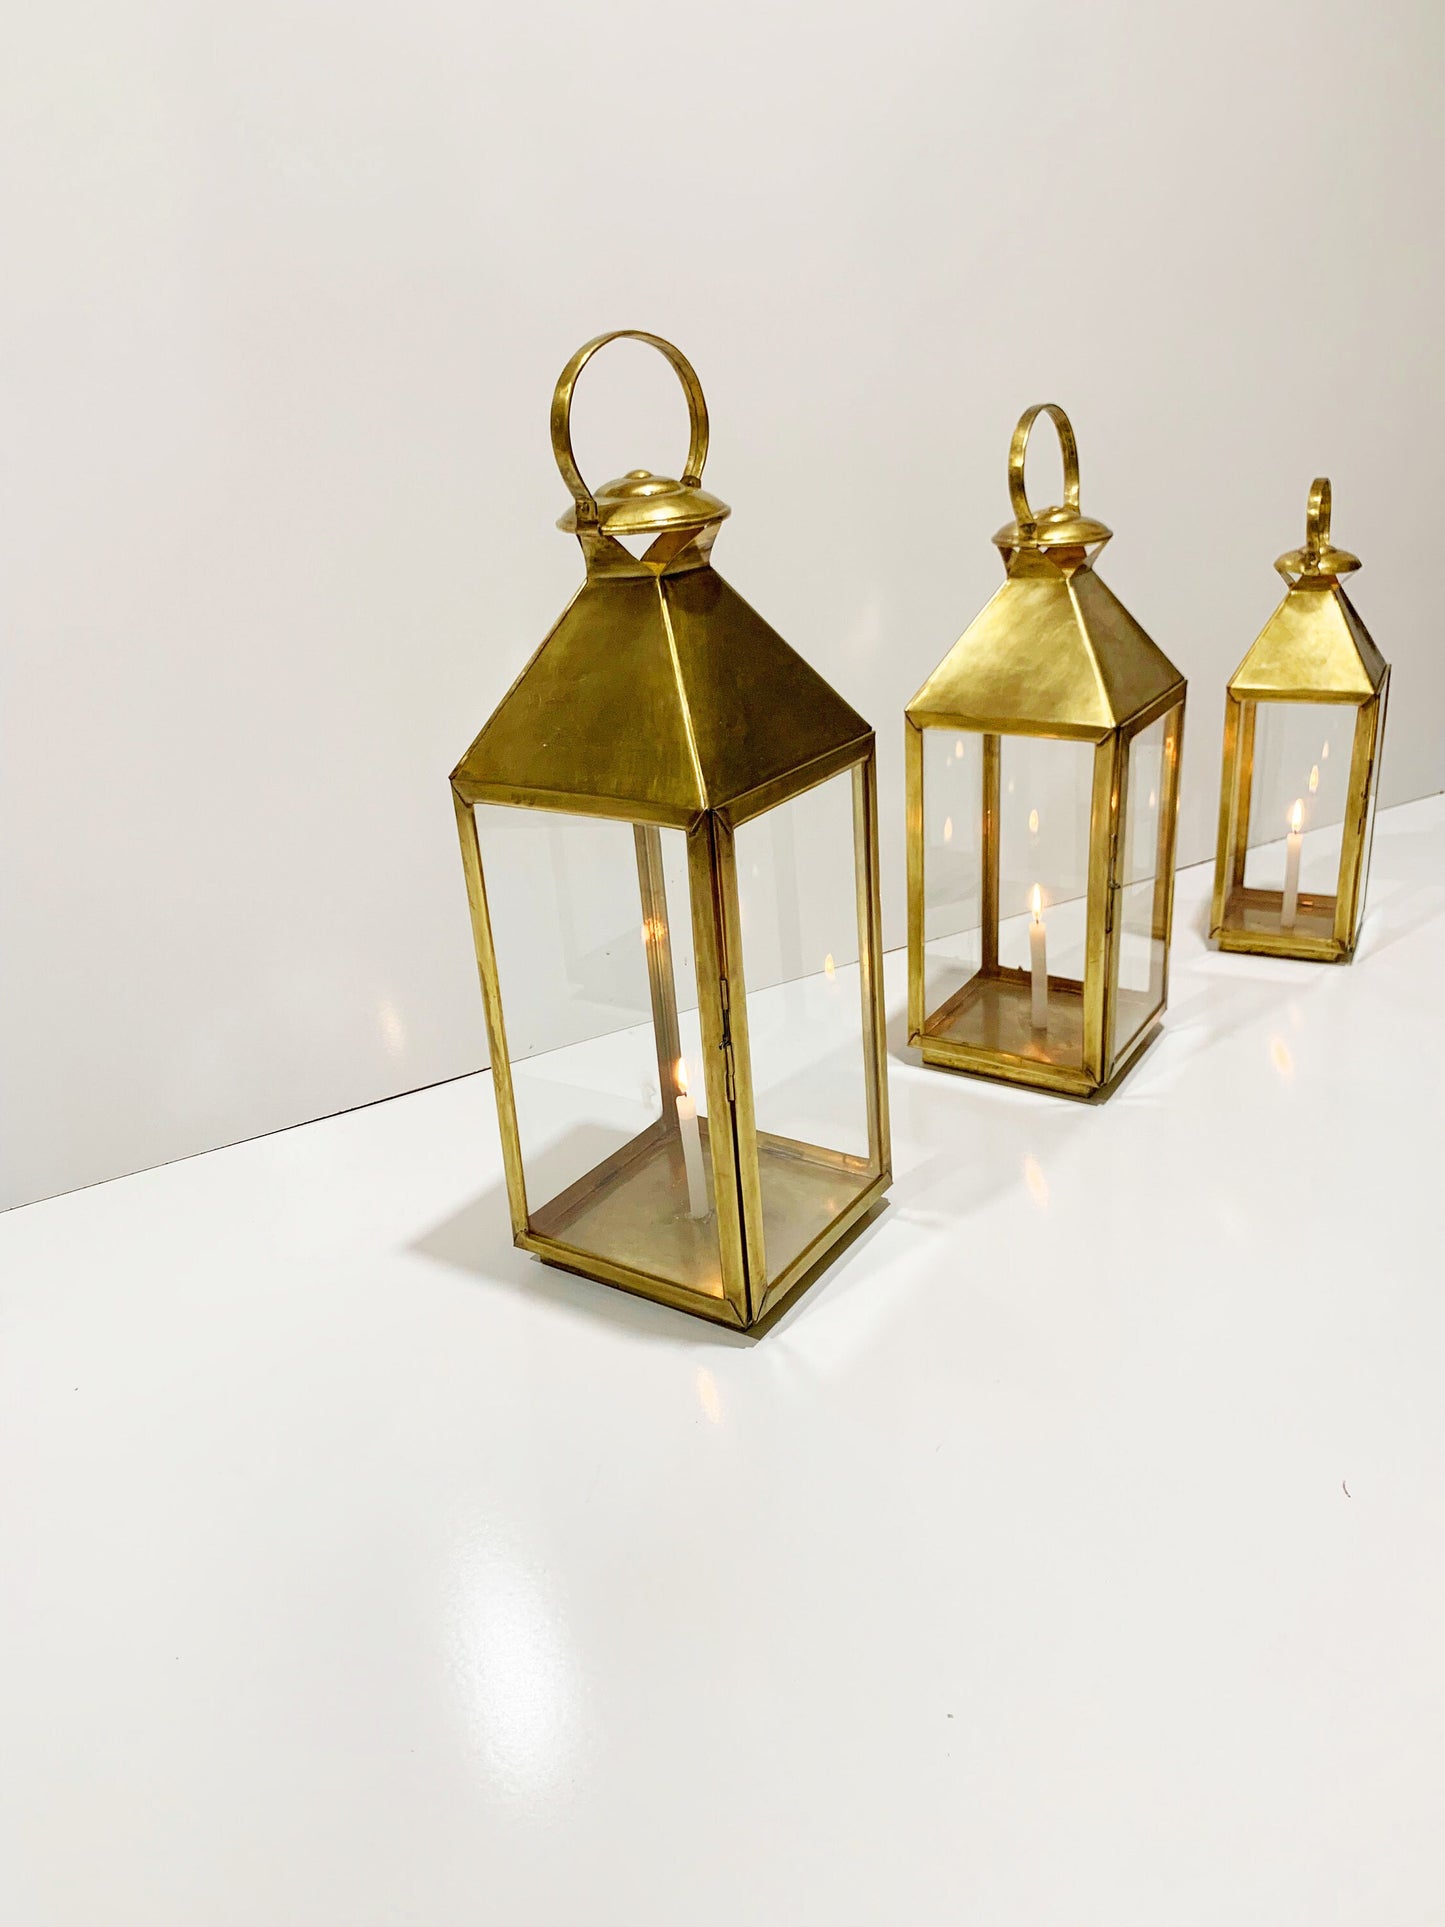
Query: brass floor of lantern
x=986, y=1029
x=1252, y=924
x=994, y=1012
x=630, y=1211
x=804, y=1190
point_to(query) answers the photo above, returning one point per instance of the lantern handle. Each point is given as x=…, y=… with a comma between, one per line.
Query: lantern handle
x=562, y=416
x=1317, y=518
x=1068, y=448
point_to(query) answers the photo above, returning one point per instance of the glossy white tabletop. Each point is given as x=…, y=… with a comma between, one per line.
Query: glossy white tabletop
x=1073, y=1552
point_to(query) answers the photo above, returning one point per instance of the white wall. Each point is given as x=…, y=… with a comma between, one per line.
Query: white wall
x=285, y=292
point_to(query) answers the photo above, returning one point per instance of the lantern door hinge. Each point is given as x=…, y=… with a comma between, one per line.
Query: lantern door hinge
x=1114, y=885
x=730, y=1076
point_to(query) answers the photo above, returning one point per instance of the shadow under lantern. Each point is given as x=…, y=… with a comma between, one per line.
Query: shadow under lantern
x=1304, y=717
x=669, y=830
x=1042, y=772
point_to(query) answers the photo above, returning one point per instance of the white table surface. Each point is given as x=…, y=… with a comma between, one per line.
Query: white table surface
x=1073, y=1552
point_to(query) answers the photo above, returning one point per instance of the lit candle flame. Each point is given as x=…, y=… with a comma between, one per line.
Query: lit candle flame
x=948, y=829
x=1038, y=903
x=679, y=1072
x=958, y=749
x=1153, y=799
x=1325, y=754
x=828, y=966
x=1314, y=778
x=1033, y=822
x=1297, y=817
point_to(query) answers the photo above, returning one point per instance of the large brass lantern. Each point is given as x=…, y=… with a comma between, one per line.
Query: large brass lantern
x=669, y=829
x=1304, y=717
x=1042, y=769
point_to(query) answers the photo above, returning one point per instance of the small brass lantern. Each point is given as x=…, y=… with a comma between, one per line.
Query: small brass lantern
x=1042, y=770
x=1304, y=718
x=670, y=835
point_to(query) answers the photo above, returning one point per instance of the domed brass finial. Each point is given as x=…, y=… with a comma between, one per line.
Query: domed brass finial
x=1052, y=529
x=1319, y=557
x=638, y=503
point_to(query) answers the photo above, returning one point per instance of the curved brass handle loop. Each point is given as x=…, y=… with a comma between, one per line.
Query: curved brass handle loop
x=1317, y=517
x=562, y=415
x=1068, y=448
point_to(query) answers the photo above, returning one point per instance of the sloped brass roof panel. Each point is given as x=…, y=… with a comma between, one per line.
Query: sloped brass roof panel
x=596, y=714
x=1373, y=663
x=988, y=680
x=1050, y=652
x=656, y=697
x=756, y=709
x=1133, y=668
x=1314, y=647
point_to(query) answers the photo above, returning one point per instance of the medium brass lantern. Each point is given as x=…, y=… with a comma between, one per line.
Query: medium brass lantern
x=1304, y=718
x=669, y=830
x=1042, y=770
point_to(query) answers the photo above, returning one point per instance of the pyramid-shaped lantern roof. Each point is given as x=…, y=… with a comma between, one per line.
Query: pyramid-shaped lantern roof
x=659, y=693
x=1055, y=652
x=1314, y=648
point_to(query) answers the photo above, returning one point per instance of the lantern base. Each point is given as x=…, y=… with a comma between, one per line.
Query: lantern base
x=986, y=1029
x=627, y=1221
x=1251, y=924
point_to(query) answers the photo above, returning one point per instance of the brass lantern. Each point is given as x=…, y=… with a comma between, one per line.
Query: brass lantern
x=1304, y=717
x=1042, y=770
x=669, y=830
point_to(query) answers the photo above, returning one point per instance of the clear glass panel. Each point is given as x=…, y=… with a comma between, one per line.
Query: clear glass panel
x=952, y=862
x=984, y=944
x=1369, y=849
x=593, y=934
x=1298, y=799
x=1145, y=856
x=798, y=902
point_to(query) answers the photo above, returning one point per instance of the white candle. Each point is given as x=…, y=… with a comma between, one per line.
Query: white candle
x=1038, y=965
x=697, y=1204
x=1292, y=844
